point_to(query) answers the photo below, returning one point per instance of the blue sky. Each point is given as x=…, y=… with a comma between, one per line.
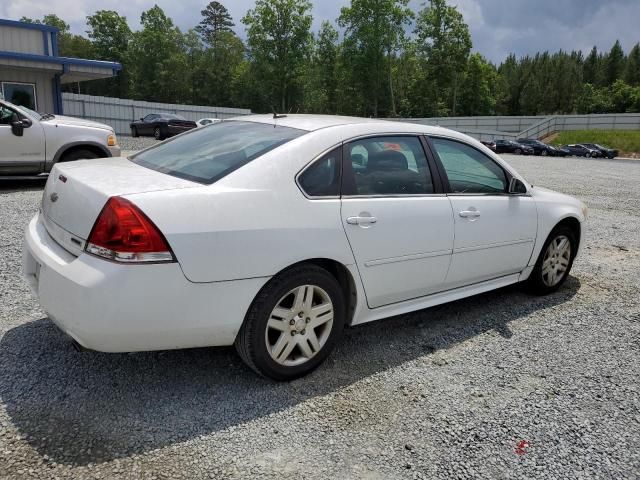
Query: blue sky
x=498, y=27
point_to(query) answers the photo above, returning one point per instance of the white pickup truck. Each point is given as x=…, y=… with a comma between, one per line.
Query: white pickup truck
x=31, y=143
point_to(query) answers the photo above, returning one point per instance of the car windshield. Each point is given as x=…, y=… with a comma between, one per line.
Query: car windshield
x=207, y=154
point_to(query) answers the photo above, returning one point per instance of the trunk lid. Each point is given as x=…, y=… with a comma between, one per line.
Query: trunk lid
x=76, y=192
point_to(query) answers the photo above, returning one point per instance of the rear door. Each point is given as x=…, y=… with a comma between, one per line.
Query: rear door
x=397, y=219
x=494, y=231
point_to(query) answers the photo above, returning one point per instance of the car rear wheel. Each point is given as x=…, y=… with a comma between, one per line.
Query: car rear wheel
x=544, y=153
x=555, y=261
x=157, y=134
x=517, y=151
x=293, y=323
x=134, y=132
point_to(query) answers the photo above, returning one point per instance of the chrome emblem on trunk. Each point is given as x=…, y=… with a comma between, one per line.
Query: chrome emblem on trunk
x=54, y=197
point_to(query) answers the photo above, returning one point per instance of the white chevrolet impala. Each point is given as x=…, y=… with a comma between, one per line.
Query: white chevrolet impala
x=274, y=234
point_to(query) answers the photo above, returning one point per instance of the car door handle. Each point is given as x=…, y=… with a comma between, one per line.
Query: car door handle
x=361, y=220
x=469, y=213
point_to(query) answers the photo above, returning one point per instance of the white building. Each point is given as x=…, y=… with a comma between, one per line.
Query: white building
x=31, y=72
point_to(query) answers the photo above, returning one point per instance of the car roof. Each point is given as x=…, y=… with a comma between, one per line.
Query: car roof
x=310, y=123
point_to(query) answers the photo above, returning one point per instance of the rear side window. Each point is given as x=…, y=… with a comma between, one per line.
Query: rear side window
x=322, y=178
x=205, y=155
x=469, y=170
x=390, y=166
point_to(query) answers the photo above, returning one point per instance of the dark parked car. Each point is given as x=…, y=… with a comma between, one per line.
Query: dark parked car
x=605, y=151
x=562, y=151
x=161, y=125
x=489, y=144
x=539, y=148
x=509, y=146
x=582, y=151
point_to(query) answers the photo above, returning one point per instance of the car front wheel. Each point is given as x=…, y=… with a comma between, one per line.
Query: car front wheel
x=555, y=261
x=134, y=132
x=157, y=134
x=293, y=323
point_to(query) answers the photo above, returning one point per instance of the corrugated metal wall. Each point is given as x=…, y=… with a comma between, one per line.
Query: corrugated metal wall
x=23, y=40
x=491, y=128
x=119, y=112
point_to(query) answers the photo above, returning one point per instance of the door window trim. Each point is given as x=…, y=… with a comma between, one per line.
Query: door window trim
x=445, y=178
x=348, y=186
x=313, y=162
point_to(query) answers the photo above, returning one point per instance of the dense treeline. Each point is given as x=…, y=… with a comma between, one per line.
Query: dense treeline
x=387, y=61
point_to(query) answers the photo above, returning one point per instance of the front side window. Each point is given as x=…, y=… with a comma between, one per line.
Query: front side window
x=389, y=166
x=322, y=178
x=469, y=170
x=21, y=94
x=205, y=155
x=6, y=115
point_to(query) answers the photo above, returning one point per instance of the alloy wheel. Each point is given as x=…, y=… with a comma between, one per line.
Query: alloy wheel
x=556, y=260
x=299, y=325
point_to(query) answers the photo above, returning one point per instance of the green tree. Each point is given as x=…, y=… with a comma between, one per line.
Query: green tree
x=444, y=44
x=111, y=37
x=216, y=21
x=278, y=39
x=160, y=60
x=321, y=84
x=477, y=93
x=632, y=71
x=374, y=32
x=615, y=63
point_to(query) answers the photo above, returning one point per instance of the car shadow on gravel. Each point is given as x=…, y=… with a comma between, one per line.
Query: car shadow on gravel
x=80, y=408
x=12, y=186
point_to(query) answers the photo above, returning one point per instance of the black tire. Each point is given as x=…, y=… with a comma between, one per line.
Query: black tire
x=536, y=282
x=517, y=151
x=544, y=153
x=157, y=133
x=134, y=132
x=251, y=343
x=79, y=154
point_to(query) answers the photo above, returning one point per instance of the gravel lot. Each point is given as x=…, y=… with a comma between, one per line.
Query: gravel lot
x=500, y=385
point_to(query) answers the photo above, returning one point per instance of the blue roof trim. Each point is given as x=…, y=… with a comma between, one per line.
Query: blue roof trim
x=28, y=26
x=61, y=60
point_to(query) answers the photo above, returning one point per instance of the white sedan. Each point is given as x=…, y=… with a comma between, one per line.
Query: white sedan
x=203, y=122
x=274, y=234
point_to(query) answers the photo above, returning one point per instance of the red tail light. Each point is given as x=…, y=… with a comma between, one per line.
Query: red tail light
x=124, y=234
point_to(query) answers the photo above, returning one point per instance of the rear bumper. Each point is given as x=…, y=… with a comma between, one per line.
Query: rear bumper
x=109, y=307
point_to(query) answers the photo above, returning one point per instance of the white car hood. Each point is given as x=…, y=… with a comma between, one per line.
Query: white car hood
x=76, y=122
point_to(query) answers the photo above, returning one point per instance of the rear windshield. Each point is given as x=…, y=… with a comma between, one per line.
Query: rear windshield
x=207, y=154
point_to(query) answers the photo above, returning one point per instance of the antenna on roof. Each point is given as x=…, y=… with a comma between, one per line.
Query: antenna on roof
x=277, y=115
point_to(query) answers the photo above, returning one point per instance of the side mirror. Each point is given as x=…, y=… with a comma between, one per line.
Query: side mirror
x=516, y=186
x=18, y=125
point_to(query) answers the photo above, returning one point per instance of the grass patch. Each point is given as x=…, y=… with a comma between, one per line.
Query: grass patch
x=624, y=140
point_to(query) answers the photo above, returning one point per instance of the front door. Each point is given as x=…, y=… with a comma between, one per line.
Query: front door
x=494, y=231
x=398, y=221
x=20, y=155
